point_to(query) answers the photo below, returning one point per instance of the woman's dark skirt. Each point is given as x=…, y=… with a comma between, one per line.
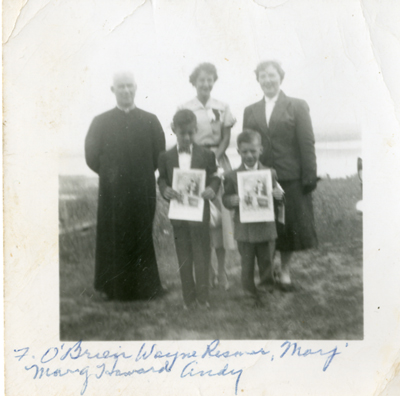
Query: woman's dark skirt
x=298, y=232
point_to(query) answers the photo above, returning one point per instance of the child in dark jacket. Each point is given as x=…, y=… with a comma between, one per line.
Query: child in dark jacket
x=254, y=239
x=192, y=239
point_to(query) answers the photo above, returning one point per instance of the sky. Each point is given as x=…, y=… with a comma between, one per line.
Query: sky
x=326, y=55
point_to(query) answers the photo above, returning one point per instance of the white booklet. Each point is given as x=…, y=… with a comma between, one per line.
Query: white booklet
x=255, y=193
x=190, y=184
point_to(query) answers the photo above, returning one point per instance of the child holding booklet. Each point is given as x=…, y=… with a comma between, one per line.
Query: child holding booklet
x=254, y=239
x=192, y=239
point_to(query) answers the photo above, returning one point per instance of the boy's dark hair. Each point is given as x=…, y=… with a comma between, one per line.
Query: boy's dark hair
x=248, y=136
x=263, y=65
x=206, y=67
x=184, y=117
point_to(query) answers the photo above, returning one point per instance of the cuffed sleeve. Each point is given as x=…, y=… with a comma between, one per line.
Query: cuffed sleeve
x=93, y=146
x=163, y=176
x=306, y=143
x=158, y=141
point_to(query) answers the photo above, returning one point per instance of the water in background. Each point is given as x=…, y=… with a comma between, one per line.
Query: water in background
x=336, y=159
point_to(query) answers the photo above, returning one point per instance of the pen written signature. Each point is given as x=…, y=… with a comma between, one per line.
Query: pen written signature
x=151, y=360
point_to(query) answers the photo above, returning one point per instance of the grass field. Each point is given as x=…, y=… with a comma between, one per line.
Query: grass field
x=328, y=302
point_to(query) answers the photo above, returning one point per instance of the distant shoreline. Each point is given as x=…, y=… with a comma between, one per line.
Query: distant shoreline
x=336, y=159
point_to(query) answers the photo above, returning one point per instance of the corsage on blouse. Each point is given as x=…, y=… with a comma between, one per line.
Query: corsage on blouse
x=214, y=115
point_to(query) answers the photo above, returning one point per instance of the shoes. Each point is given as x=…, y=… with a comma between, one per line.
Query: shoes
x=267, y=286
x=266, y=289
x=285, y=283
x=287, y=287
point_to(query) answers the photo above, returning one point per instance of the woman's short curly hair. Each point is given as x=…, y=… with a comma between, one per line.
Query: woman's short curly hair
x=206, y=67
x=263, y=65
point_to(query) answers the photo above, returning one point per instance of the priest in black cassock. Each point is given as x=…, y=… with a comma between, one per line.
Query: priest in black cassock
x=122, y=147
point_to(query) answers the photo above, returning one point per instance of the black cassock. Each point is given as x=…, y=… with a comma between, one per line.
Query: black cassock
x=123, y=149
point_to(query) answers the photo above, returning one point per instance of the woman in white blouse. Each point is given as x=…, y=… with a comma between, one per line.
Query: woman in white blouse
x=214, y=123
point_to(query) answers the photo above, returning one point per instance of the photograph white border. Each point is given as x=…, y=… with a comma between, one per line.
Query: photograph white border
x=35, y=111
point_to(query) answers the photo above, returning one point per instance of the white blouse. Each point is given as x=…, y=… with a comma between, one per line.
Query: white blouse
x=211, y=118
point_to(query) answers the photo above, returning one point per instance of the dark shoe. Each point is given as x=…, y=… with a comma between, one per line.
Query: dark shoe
x=287, y=287
x=268, y=283
x=267, y=287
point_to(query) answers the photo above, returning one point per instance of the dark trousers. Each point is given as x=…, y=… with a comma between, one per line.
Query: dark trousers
x=192, y=243
x=264, y=251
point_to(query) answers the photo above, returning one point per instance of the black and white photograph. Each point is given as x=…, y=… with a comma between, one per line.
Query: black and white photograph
x=213, y=178
x=118, y=249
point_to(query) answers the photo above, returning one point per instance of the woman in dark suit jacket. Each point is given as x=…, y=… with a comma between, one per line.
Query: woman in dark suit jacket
x=288, y=141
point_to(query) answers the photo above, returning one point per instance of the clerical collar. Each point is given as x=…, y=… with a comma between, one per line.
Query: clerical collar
x=273, y=99
x=255, y=167
x=126, y=110
x=188, y=151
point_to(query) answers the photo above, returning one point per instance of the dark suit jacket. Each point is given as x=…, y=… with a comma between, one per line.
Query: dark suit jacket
x=288, y=141
x=202, y=158
x=247, y=232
